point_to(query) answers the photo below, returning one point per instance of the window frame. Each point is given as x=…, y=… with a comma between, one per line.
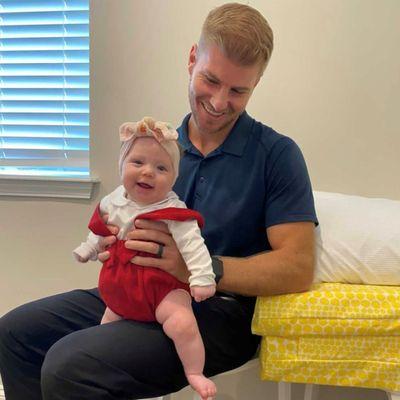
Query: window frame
x=80, y=187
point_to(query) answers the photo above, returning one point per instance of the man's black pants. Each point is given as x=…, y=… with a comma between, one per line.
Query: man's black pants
x=55, y=349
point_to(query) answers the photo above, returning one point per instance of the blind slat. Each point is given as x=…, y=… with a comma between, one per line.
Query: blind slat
x=74, y=161
x=64, y=69
x=45, y=94
x=38, y=82
x=43, y=106
x=41, y=57
x=44, y=44
x=50, y=171
x=41, y=156
x=45, y=5
x=44, y=119
x=35, y=143
x=42, y=131
x=41, y=31
x=44, y=18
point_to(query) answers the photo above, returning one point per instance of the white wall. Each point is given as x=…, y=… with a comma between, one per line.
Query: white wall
x=333, y=84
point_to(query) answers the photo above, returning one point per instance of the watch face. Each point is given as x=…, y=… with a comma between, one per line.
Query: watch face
x=218, y=268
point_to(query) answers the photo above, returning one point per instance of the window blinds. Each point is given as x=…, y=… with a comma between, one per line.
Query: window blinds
x=44, y=88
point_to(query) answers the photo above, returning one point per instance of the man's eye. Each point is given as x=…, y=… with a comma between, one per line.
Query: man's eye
x=212, y=81
x=236, y=91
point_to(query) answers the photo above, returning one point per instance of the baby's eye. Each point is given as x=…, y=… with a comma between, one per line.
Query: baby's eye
x=162, y=168
x=137, y=162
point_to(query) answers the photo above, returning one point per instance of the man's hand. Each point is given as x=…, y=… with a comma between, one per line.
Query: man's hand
x=147, y=238
x=106, y=241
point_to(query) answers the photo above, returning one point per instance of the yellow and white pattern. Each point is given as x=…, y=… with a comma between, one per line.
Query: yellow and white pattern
x=336, y=334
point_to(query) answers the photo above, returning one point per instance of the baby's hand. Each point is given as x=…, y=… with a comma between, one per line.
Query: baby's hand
x=200, y=293
x=81, y=259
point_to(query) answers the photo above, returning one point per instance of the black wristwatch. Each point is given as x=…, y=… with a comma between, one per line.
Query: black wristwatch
x=218, y=268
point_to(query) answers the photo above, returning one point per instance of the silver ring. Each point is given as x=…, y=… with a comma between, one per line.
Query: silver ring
x=160, y=251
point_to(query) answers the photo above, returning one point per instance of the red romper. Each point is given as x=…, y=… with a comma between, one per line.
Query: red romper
x=133, y=291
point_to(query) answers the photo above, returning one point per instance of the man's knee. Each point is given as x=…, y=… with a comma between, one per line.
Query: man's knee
x=53, y=369
x=60, y=369
x=11, y=332
x=71, y=371
x=4, y=336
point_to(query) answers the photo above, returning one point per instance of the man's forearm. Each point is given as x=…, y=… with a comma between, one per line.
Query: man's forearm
x=266, y=274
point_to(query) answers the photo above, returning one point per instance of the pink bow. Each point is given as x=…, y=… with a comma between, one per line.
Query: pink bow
x=147, y=127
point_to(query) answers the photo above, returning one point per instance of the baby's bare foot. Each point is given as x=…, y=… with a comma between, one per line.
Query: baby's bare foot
x=203, y=386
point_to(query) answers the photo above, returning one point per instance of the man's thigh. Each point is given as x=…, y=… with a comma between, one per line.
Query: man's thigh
x=138, y=359
x=126, y=359
x=28, y=332
x=41, y=323
x=142, y=350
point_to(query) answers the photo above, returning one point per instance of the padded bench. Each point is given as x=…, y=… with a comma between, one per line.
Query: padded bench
x=335, y=334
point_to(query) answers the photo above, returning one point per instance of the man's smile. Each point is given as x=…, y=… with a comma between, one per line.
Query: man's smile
x=211, y=111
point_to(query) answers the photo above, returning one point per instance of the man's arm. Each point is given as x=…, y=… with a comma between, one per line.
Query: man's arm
x=285, y=269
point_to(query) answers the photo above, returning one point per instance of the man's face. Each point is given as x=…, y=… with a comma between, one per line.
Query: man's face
x=219, y=89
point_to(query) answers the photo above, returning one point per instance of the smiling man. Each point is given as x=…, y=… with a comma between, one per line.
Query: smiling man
x=219, y=91
x=252, y=187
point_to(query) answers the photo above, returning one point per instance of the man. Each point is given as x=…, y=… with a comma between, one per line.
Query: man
x=252, y=187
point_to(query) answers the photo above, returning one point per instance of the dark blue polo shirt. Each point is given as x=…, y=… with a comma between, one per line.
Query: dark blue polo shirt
x=256, y=179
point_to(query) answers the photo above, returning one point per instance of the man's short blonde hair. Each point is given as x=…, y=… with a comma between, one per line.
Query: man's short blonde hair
x=241, y=32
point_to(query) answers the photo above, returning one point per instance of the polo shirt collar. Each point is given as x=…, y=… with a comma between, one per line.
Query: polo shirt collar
x=234, y=144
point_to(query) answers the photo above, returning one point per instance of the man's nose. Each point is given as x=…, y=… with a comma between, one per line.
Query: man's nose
x=219, y=100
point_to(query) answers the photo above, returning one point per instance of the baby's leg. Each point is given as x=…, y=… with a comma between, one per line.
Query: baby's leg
x=176, y=316
x=109, y=316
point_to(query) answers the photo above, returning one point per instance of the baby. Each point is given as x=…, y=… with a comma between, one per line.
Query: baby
x=149, y=164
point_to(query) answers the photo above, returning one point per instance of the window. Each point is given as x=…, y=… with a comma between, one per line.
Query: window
x=44, y=89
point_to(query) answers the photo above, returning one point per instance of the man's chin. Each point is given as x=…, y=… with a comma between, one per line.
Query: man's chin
x=206, y=124
x=216, y=127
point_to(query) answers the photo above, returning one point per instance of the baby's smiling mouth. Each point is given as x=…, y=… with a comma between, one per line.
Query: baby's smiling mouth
x=144, y=185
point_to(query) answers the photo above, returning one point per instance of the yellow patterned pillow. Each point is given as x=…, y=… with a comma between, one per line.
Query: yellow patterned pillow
x=337, y=334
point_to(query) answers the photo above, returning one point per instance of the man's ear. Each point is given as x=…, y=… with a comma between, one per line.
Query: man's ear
x=192, y=58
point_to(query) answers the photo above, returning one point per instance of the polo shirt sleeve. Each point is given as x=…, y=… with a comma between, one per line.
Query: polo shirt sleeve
x=289, y=196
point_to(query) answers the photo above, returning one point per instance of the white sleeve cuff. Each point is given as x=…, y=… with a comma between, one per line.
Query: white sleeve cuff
x=85, y=252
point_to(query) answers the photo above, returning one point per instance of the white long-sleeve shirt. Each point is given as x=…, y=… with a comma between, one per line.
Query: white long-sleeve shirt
x=122, y=213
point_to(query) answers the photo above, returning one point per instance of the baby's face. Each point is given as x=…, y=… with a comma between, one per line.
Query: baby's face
x=147, y=172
